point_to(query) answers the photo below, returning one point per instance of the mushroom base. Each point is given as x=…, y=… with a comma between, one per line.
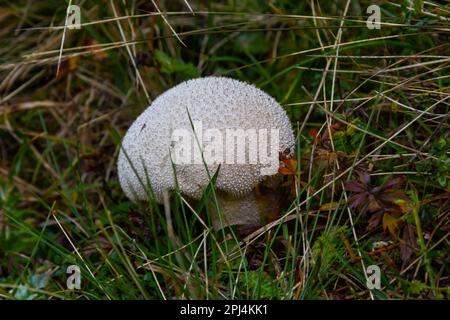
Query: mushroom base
x=235, y=211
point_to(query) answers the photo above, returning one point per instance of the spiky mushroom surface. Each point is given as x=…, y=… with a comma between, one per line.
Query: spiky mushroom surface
x=216, y=103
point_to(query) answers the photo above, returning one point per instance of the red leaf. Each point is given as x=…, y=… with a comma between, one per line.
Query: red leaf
x=354, y=186
x=364, y=177
x=313, y=133
x=374, y=220
x=393, y=183
x=284, y=171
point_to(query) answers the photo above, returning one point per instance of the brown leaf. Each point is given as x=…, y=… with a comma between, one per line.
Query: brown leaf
x=364, y=177
x=393, y=183
x=96, y=49
x=408, y=244
x=284, y=171
x=374, y=220
x=357, y=201
x=354, y=186
x=289, y=167
x=405, y=206
x=374, y=205
x=384, y=198
x=68, y=66
x=390, y=223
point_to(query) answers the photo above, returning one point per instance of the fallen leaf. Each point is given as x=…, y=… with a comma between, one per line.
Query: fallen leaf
x=313, y=133
x=329, y=206
x=96, y=49
x=68, y=66
x=405, y=206
x=390, y=223
x=289, y=168
x=408, y=244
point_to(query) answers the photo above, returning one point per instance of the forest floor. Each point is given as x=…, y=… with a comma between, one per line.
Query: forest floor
x=367, y=190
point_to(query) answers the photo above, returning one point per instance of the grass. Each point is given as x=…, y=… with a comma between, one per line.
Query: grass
x=369, y=107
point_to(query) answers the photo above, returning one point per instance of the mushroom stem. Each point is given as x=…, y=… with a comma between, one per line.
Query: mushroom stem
x=235, y=211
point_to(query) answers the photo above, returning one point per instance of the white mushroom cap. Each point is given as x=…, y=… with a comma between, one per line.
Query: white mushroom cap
x=219, y=103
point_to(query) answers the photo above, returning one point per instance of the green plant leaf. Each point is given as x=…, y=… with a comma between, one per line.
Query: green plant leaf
x=171, y=65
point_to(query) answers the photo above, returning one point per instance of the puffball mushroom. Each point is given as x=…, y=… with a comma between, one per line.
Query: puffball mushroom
x=219, y=106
